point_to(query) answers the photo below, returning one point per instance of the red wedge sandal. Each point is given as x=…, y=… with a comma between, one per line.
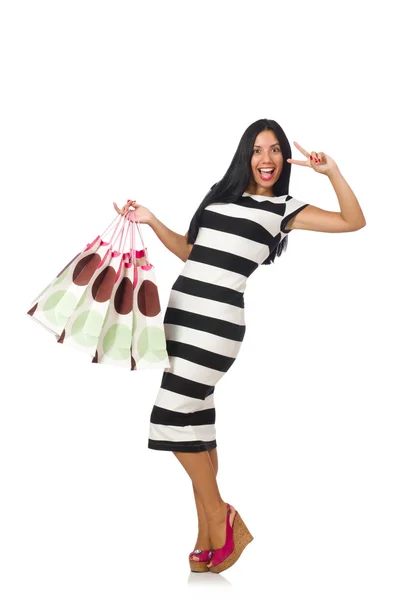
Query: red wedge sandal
x=237, y=538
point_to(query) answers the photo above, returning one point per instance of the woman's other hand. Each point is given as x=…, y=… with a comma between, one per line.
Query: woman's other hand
x=141, y=213
x=123, y=210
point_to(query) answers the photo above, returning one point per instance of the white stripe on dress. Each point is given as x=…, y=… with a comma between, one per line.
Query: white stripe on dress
x=189, y=433
x=182, y=403
x=194, y=372
x=207, y=307
x=215, y=275
x=228, y=242
x=202, y=339
x=267, y=219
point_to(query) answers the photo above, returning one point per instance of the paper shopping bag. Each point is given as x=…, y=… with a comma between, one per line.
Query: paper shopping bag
x=114, y=343
x=105, y=303
x=54, y=305
x=83, y=328
x=59, y=299
x=148, y=348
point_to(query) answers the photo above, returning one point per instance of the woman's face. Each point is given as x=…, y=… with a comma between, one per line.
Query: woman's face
x=266, y=154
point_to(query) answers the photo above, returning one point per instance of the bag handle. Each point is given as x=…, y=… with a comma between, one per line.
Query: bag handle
x=123, y=230
x=109, y=226
x=135, y=223
x=117, y=230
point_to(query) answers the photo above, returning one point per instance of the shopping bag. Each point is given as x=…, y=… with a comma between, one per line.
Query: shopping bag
x=111, y=297
x=149, y=346
x=84, y=326
x=114, y=343
x=54, y=305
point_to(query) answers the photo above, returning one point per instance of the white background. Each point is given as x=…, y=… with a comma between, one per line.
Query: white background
x=102, y=102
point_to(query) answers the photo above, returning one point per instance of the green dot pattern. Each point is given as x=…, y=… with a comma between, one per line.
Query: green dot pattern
x=134, y=323
x=117, y=342
x=83, y=297
x=87, y=327
x=151, y=344
x=59, y=306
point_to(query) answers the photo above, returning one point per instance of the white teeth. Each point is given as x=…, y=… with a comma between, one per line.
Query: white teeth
x=266, y=170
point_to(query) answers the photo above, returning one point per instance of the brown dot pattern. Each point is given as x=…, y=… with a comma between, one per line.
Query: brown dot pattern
x=85, y=269
x=103, y=285
x=148, y=299
x=123, y=297
x=33, y=309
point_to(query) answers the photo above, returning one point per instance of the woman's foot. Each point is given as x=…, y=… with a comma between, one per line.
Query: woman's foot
x=217, y=529
x=203, y=543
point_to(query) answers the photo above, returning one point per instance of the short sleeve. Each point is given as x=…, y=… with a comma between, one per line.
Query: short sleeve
x=292, y=207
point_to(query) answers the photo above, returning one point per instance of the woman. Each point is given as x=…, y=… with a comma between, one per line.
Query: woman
x=243, y=222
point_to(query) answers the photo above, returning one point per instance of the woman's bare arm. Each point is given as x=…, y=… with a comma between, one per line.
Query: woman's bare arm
x=174, y=242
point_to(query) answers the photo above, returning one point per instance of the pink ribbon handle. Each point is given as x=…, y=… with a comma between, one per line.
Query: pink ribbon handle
x=135, y=223
x=115, y=228
x=119, y=229
x=132, y=221
x=123, y=230
x=109, y=226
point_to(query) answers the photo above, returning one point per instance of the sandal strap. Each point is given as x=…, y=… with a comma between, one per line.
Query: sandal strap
x=204, y=555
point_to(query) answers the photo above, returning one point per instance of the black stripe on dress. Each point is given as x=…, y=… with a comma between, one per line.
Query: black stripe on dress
x=164, y=416
x=288, y=217
x=196, y=446
x=265, y=204
x=223, y=260
x=210, y=291
x=186, y=387
x=246, y=228
x=230, y=331
x=199, y=356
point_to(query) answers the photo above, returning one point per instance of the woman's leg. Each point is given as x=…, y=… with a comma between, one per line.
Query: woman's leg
x=199, y=467
x=203, y=538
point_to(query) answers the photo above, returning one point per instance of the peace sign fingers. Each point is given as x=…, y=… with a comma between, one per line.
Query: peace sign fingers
x=318, y=161
x=304, y=163
x=305, y=152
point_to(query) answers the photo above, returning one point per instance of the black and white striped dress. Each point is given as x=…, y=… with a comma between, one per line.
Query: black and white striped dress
x=204, y=321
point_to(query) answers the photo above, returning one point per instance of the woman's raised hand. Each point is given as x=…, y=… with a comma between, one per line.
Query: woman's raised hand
x=142, y=214
x=319, y=161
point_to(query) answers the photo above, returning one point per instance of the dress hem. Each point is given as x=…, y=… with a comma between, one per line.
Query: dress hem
x=197, y=446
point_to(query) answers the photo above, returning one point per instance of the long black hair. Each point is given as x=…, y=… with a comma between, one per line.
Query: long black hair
x=236, y=179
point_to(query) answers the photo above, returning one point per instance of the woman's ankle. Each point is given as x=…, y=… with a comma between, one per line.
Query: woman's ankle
x=217, y=514
x=203, y=542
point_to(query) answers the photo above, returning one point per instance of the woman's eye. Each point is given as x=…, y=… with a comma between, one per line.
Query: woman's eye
x=258, y=150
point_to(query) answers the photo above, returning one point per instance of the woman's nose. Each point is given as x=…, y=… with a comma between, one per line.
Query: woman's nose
x=266, y=159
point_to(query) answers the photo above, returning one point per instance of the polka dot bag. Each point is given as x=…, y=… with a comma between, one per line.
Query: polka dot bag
x=105, y=302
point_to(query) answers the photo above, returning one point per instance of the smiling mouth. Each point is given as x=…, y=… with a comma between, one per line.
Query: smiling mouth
x=266, y=175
